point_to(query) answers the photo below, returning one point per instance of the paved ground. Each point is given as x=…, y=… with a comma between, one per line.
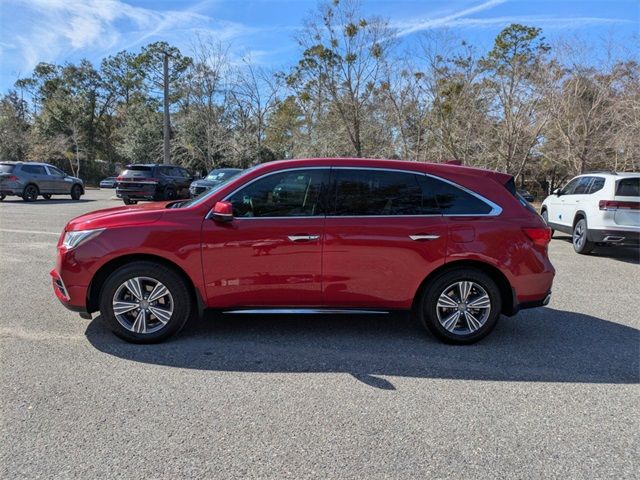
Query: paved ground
x=552, y=392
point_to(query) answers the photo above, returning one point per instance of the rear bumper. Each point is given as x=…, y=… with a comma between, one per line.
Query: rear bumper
x=146, y=193
x=539, y=302
x=615, y=237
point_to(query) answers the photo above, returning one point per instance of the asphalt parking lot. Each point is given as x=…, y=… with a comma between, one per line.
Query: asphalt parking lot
x=552, y=392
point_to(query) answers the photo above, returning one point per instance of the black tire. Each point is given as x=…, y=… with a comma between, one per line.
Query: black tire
x=170, y=193
x=128, y=201
x=580, y=238
x=30, y=193
x=76, y=192
x=46, y=196
x=462, y=333
x=2, y=196
x=176, y=286
x=545, y=217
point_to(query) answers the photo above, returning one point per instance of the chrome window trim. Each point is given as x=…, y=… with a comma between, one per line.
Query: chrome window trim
x=495, y=208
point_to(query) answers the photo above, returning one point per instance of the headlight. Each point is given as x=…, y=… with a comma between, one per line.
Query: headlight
x=74, y=238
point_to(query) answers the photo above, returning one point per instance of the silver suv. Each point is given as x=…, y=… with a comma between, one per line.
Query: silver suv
x=30, y=179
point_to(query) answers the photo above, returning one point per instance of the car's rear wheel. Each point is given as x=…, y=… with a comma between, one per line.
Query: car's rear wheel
x=580, y=237
x=2, y=196
x=76, y=192
x=461, y=306
x=30, y=193
x=545, y=217
x=145, y=302
x=128, y=201
x=46, y=196
x=170, y=193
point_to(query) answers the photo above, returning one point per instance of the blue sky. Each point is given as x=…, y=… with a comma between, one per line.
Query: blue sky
x=58, y=31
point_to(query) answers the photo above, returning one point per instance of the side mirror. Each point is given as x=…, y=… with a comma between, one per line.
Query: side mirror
x=222, y=212
x=557, y=192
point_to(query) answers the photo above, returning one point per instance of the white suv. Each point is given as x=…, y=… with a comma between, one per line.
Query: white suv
x=596, y=208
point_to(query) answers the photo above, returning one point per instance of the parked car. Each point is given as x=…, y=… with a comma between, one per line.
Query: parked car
x=454, y=244
x=526, y=195
x=109, y=182
x=153, y=182
x=215, y=178
x=30, y=179
x=596, y=209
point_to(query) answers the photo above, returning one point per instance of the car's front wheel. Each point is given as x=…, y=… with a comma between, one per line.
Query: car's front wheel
x=46, y=196
x=76, y=192
x=128, y=201
x=2, y=196
x=461, y=306
x=145, y=302
x=580, y=237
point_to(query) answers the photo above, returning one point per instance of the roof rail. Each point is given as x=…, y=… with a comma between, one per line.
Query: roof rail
x=600, y=171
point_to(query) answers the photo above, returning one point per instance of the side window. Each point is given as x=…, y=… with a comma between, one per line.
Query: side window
x=376, y=192
x=55, y=171
x=597, y=184
x=570, y=187
x=183, y=173
x=294, y=193
x=452, y=200
x=34, y=169
x=166, y=171
x=582, y=187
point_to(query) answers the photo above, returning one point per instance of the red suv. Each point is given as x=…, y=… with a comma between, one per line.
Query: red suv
x=455, y=245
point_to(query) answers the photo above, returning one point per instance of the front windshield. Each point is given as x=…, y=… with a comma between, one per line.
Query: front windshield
x=207, y=193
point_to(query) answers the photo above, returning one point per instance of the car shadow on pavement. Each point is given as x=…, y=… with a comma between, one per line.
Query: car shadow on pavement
x=622, y=254
x=543, y=345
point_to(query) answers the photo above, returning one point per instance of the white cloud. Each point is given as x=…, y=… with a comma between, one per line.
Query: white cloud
x=406, y=28
x=460, y=19
x=51, y=29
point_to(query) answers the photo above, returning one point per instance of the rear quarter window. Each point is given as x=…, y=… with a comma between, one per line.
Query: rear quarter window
x=628, y=187
x=6, y=168
x=452, y=200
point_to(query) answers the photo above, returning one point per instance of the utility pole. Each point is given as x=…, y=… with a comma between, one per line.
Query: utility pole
x=167, y=120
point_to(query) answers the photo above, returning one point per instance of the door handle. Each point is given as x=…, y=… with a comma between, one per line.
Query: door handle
x=424, y=237
x=303, y=238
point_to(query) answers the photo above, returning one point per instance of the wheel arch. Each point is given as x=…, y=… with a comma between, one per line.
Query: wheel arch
x=93, y=292
x=507, y=294
x=579, y=214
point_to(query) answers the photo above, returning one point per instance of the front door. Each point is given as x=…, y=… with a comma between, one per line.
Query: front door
x=269, y=255
x=383, y=236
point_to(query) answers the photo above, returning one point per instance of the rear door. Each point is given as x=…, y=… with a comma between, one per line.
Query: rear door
x=383, y=235
x=37, y=174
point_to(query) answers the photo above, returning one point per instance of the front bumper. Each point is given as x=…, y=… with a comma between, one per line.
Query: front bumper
x=196, y=190
x=615, y=237
x=73, y=297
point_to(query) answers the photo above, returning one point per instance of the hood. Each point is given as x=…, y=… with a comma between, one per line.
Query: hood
x=119, y=216
x=75, y=179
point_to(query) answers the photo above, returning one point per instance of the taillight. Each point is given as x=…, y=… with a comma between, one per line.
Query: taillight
x=11, y=178
x=615, y=205
x=539, y=236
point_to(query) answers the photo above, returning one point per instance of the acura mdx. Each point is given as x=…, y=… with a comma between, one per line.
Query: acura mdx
x=455, y=245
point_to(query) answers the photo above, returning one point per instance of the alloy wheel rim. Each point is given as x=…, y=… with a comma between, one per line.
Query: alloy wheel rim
x=463, y=307
x=578, y=235
x=143, y=305
x=31, y=192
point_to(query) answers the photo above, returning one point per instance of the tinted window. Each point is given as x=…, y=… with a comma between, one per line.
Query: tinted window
x=628, y=187
x=569, y=187
x=452, y=200
x=294, y=193
x=6, y=168
x=376, y=192
x=582, y=186
x=597, y=184
x=137, y=171
x=34, y=169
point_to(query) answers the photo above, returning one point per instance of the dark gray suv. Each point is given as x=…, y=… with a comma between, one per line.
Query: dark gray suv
x=30, y=179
